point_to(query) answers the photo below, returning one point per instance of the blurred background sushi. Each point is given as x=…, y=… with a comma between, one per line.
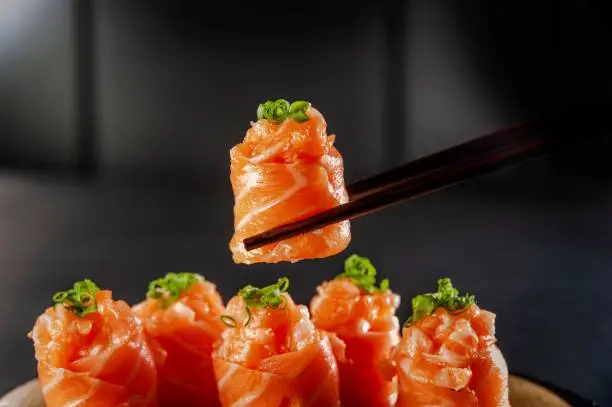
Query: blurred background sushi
x=116, y=119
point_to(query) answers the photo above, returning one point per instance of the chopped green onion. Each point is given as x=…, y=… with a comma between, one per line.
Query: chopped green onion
x=270, y=296
x=248, y=311
x=280, y=110
x=446, y=297
x=299, y=106
x=80, y=299
x=384, y=285
x=169, y=288
x=283, y=284
x=229, y=321
x=300, y=117
x=260, y=111
x=362, y=272
x=283, y=105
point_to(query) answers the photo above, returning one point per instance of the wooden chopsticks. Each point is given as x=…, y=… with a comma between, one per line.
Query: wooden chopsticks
x=547, y=133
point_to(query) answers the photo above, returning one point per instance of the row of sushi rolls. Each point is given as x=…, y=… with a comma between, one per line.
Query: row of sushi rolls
x=182, y=346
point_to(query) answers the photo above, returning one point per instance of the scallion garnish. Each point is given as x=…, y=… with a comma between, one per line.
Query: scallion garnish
x=248, y=320
x=80, y=299
x=229, y=321
x=279, y=110
x=270, y=296
x=363, y=274
x=446, y=297
x=169, y=288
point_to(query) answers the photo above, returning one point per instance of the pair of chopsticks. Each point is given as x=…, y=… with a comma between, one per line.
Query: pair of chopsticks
x=536, y=137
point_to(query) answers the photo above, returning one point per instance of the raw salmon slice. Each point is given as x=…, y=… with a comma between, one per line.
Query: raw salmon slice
x=182, y=315
x=283, y=172
x=363, y=317
x=93, y=352
x=273, y=356
x=447, y=355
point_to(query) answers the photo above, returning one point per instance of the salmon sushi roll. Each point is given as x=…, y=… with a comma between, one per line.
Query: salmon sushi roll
x=182, y=314
x=272, y=355
x=92, y=351
x=362, y=315
x=448, y=354
x=286, y=169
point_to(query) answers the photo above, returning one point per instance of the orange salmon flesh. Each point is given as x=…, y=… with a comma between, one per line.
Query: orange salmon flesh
x=452, y=360
x=281, y=173
x=103, y=359
x=278, y=360
x=367, y=326
x=186, y=330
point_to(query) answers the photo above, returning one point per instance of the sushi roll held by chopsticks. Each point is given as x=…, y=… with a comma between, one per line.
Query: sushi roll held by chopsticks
x=287, y=168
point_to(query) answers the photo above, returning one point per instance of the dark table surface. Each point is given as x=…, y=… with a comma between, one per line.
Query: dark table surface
x=532, y=244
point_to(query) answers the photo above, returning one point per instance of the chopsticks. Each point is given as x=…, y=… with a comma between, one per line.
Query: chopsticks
x=554, y=130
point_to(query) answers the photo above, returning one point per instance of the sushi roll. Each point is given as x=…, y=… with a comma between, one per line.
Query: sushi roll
x=182, y=314
x=362, y=315
x=287, y=168
x=448, y=354
x=92, y=351
x=271, y=355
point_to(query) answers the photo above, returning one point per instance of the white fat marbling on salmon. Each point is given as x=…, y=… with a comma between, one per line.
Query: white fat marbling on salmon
x=410, y=370
x=60, y=312
x=464, y=335
x=46, y=320
x=183, y=310
x=245, y=400
x=83, y=327
x=57, y=379
x=340, y=194
x=363, y=326
x=113, y=312
x=103, y=359
x=227, y=375
x=453, y=378
x=269, y=152
x=393, y=396
x=136, y=369
x=418, y=340
x=282, y=249
x=446, y=356
x=322, y=235
x=446, y=323
x=299, y=183
x=210, y=329
x=300, y=368
x=90, y=393
x=249, y=180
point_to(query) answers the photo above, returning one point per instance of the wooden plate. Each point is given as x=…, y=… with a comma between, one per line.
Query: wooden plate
x=523, y=393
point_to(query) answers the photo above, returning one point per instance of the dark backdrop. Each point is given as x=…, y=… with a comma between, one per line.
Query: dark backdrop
x=116, y=118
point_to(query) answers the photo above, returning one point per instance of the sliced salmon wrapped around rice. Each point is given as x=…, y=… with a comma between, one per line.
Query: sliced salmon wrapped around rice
x=92, y=352
x=271, y=355
x=182, y=314
x=448, y=354
x=286, y=169
x=362, y=315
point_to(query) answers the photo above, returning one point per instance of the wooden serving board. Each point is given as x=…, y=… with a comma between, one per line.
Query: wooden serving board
x=523, y=393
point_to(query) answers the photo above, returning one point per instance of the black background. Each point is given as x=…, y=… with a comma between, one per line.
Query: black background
x=116, y=119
